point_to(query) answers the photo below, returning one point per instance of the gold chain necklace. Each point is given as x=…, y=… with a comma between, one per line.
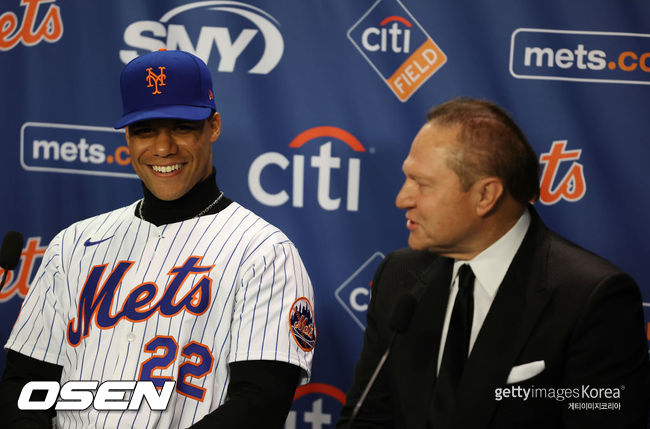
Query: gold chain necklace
x=201, y=213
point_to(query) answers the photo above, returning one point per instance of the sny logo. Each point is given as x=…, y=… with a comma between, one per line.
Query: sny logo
x=397, y=47
x=153, y=79
x=30, y=33
x=324, y=162
x=572, y=186
x=234, y=17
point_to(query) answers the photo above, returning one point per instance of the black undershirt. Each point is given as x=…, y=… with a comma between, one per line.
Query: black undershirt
x=260, y=393
x=204, y=193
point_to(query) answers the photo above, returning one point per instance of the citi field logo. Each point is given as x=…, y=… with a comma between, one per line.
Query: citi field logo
x=329, y=169
x=397, y=47
x=37, y=25
x=581, y=56
x=238, y=31
x=74, y=149
x=354, y=293
x=572, y=186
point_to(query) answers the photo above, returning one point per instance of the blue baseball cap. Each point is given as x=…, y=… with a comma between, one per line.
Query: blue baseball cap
x=165, y=84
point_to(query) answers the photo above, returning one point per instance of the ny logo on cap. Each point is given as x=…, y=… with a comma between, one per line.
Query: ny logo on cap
x=153, y=80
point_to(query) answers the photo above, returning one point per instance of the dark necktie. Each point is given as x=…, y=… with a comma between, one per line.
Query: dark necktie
x=456, y=351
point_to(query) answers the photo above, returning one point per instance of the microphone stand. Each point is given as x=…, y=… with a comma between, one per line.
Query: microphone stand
x=400, y=320
x=371, y=382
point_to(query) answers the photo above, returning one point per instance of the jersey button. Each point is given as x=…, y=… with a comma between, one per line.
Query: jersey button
x=130, y=337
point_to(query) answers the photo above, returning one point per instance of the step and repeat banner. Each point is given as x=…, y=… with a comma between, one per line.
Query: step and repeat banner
x=319, y=103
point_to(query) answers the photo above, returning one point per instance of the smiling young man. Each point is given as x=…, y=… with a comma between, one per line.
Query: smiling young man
x=184, y=286
x=505, y=305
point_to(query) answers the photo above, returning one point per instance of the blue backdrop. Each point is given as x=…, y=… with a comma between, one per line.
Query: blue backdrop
x=319, y=102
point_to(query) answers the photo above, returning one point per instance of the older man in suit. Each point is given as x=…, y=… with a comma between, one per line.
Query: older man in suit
x=514, y=327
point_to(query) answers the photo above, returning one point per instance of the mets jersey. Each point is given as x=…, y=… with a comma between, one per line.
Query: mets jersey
x=118, y=298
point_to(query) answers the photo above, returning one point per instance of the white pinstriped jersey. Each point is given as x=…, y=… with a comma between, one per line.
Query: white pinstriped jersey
x=117, y=298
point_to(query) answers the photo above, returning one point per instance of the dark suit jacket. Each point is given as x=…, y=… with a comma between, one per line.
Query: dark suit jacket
x=558, y=303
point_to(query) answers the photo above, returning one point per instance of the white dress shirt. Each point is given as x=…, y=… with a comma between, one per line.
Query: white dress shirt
x=489, y=267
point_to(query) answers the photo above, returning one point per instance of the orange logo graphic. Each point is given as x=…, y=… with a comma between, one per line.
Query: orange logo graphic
x=154, y=80
x=18, y=281
x=30, y=33
x=423, y=63
x=397, y=47
x=572, y=186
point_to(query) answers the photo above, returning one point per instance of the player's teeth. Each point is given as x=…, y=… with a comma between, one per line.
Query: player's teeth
x=165, y=168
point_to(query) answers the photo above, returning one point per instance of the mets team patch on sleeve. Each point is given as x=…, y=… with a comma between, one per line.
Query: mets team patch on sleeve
x=301, y=322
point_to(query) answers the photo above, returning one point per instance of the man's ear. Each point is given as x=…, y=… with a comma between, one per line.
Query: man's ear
x=487, y=191
x=214, y=122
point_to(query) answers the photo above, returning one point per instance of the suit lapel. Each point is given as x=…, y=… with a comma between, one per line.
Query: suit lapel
x=517, y=305
x=416, y=351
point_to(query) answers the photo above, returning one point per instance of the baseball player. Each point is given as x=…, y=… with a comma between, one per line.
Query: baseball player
x=183, y=285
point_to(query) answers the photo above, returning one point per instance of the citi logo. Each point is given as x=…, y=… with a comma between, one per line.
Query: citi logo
x=387, y=38
x=354, y=293
x=245, y=31
x=325, y=163
x=315, y=405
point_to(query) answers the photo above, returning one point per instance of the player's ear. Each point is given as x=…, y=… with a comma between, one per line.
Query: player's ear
x=488, y=191
x=214, y=122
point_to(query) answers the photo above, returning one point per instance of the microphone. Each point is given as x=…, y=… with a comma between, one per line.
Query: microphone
x=12, y=247
x=399, y=323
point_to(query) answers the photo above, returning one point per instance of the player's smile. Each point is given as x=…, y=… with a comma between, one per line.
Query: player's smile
x=167, y=170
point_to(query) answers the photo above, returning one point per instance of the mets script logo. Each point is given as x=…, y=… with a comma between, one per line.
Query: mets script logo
x=572, y=186
x=301, y=321
x=31, y=32
x=19, y=280
x=397, y=47
x=95, y=302
x=153, y=79
x=241, y=36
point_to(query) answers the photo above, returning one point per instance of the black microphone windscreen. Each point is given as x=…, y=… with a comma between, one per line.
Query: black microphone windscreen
x=403, y=313
x=12, y=246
